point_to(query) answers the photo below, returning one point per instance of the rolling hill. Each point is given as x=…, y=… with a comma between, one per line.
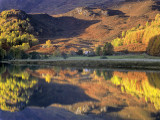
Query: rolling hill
x=86, y=27
x=51, y=6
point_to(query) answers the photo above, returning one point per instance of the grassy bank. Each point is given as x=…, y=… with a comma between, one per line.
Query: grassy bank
x=127, y=56
x=105, y=63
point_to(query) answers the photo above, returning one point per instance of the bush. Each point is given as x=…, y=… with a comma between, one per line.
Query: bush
x=64, y=55
x=57, y=53
x=80, y=52
x=117, y=42
x=34, y=55
x=103, y=57
x=48, y=43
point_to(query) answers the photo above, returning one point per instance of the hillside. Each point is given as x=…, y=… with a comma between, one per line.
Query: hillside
x=50, y=6
x=87, y=27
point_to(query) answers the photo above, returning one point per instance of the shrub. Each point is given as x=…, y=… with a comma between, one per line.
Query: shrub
x=80, y=52
x=57, y=53
x=48, y=43
x=123, y=34
x=103, y=57
x=64, y=55
x=98, y=51
x=34, y=55
x=117, y=42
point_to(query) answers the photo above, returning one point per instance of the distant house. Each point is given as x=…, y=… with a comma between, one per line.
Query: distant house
x=89, y=53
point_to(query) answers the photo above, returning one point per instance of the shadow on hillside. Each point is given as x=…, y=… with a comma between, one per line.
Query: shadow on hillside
x=70, y=26
x=60, y=27
x=58, y=93
x=156, y=6
x=116, y=12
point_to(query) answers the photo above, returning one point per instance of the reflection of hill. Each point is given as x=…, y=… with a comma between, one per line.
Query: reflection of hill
x=97, y=85
x=15, y=90
x=82, y=91
x=19, y=88
x=50, y=113
x=139, y=84
x=58, y=94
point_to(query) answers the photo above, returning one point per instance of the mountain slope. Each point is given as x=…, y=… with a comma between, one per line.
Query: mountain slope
x=87, y=27
x=50, y=6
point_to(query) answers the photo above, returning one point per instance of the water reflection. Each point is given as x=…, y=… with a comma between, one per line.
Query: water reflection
x=78, y=90
x=16, y=87
x=140, y=84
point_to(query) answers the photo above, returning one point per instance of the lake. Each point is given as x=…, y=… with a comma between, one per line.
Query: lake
x=63, y=93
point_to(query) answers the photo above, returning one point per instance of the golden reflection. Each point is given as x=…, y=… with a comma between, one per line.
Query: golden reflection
x=95, y=82
x=17, y=85
x=15, y=90
x=139, y=84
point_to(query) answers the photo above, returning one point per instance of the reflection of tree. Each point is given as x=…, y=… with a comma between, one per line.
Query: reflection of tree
x=15, y=90
x=139, y=84
x=107, y=75
x=2, y=68
x=154, y=79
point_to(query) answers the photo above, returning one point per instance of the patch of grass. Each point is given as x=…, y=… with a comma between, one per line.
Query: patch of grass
x=140, y=56
x=136, y=56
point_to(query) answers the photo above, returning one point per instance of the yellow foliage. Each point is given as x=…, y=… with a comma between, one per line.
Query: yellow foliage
x=139, y=84
x=48, y=78
x=48, y=43
x=143, y=35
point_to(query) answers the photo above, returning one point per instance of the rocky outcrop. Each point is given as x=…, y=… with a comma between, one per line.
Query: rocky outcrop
x=88, y=11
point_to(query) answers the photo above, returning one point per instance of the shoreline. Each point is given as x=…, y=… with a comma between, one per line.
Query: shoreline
x=153, y=64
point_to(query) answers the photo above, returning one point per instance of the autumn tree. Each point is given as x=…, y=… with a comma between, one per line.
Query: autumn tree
x=48, y=43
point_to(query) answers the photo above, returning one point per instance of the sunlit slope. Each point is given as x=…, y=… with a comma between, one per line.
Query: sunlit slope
x=87, y=27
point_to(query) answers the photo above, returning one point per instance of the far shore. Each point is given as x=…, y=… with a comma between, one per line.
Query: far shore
x=153, y=64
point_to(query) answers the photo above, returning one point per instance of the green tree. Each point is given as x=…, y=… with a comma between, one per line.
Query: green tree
x=2, y=53
x=14, y=53
x=98, y=51
x=107, y=49
x=34, y=55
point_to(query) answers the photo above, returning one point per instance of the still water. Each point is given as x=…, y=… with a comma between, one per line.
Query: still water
x=58, y=93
